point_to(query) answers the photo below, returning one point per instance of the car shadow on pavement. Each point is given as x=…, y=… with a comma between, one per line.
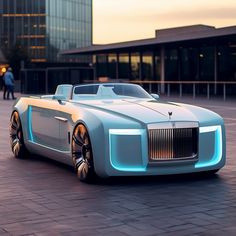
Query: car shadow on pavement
x=160, y=180
x=135, y=180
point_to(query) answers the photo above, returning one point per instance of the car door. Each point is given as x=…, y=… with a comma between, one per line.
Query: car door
x=45, y=125
x=64, y=130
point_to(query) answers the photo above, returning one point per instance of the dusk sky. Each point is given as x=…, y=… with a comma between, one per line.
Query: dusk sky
x=124, y=20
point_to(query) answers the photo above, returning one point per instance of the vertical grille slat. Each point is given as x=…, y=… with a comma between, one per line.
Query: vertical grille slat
x=172, y=144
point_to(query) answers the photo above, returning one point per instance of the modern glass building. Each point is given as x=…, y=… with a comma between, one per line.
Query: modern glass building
x=44, y=27
x=194, y=59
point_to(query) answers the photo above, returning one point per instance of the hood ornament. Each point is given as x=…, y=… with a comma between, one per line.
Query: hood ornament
x=170, y=115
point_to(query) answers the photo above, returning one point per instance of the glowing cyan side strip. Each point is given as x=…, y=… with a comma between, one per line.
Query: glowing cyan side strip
x=52, y=149
x=124, y=132
x=31, y=138
x=218, y=146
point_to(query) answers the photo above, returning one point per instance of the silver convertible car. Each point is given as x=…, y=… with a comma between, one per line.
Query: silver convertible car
x=117, y=130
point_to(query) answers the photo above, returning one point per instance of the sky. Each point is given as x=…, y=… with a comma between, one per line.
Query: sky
x=125, y=20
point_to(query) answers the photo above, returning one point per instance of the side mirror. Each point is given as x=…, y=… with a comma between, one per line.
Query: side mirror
x=155, y=96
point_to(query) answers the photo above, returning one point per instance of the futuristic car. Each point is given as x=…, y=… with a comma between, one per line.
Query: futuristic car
x=117, y=129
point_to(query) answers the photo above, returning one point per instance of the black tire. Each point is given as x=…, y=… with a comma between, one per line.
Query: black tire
x=82, y=154
x=16, y=137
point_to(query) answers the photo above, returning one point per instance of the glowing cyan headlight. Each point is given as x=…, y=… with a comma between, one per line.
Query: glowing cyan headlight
x=218, y=145
x=208, y=129
x=123, y=158
x=125, y=131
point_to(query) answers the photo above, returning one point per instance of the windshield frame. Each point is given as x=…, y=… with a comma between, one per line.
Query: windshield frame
x=106, y=91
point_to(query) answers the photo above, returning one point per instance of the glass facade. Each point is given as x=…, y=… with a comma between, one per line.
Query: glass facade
x=135, y=63
x=189, y=64
x=101, y=61
x=147, y=66
x=157, y=66
x=206, y=63
x=44, y=27
x=200, y=62
x=124, y=66
x=112, y=66
x=171, y=64
x=227, y=62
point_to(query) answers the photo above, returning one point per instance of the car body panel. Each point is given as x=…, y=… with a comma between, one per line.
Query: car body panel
x=119, y=132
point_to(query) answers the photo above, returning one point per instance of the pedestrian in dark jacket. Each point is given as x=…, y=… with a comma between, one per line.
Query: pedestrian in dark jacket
x=8, y=79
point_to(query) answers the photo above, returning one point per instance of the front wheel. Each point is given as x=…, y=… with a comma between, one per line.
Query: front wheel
x=82, y=154
x=16, y=136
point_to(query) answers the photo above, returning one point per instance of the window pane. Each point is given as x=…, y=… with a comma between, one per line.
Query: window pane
x=123, y=66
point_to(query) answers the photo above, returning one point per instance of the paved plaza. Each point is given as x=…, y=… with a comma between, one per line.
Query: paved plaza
x=42, y=197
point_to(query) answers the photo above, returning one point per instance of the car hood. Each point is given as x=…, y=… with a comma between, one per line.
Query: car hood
x=144, y=111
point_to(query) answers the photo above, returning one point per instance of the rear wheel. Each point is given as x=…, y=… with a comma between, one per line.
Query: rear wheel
x=16, y=136
x=82, y=154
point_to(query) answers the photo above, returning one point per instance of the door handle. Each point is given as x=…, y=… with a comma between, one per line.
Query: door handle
x=61, y=119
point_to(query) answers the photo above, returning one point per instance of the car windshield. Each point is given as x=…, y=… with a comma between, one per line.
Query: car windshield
x=112, y=91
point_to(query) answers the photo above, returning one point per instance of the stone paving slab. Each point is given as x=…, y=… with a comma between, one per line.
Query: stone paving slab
x=40, y=197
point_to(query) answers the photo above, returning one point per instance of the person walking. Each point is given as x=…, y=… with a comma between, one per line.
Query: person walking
x=9, y=83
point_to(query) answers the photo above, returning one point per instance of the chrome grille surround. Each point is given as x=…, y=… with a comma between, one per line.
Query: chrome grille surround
x=173, y=141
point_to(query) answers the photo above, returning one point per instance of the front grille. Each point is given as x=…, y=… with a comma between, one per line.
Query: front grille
x=173, y=144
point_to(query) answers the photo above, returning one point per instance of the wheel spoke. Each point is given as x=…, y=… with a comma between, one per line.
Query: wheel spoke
x=15, y=123
x=81, y=132
x=79, y=161
x=13, y=126
x=16, y=146
x=77, y=153
x=87, y=147
x=81, y=153
x=15, y=142
x=77, y=141
x=88, y=156
x=16, y=136
x=15, y=129
x=16, y=119
x=83, y=171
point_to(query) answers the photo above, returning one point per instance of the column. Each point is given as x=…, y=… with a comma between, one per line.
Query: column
x=163, y=69
x=215, y=69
